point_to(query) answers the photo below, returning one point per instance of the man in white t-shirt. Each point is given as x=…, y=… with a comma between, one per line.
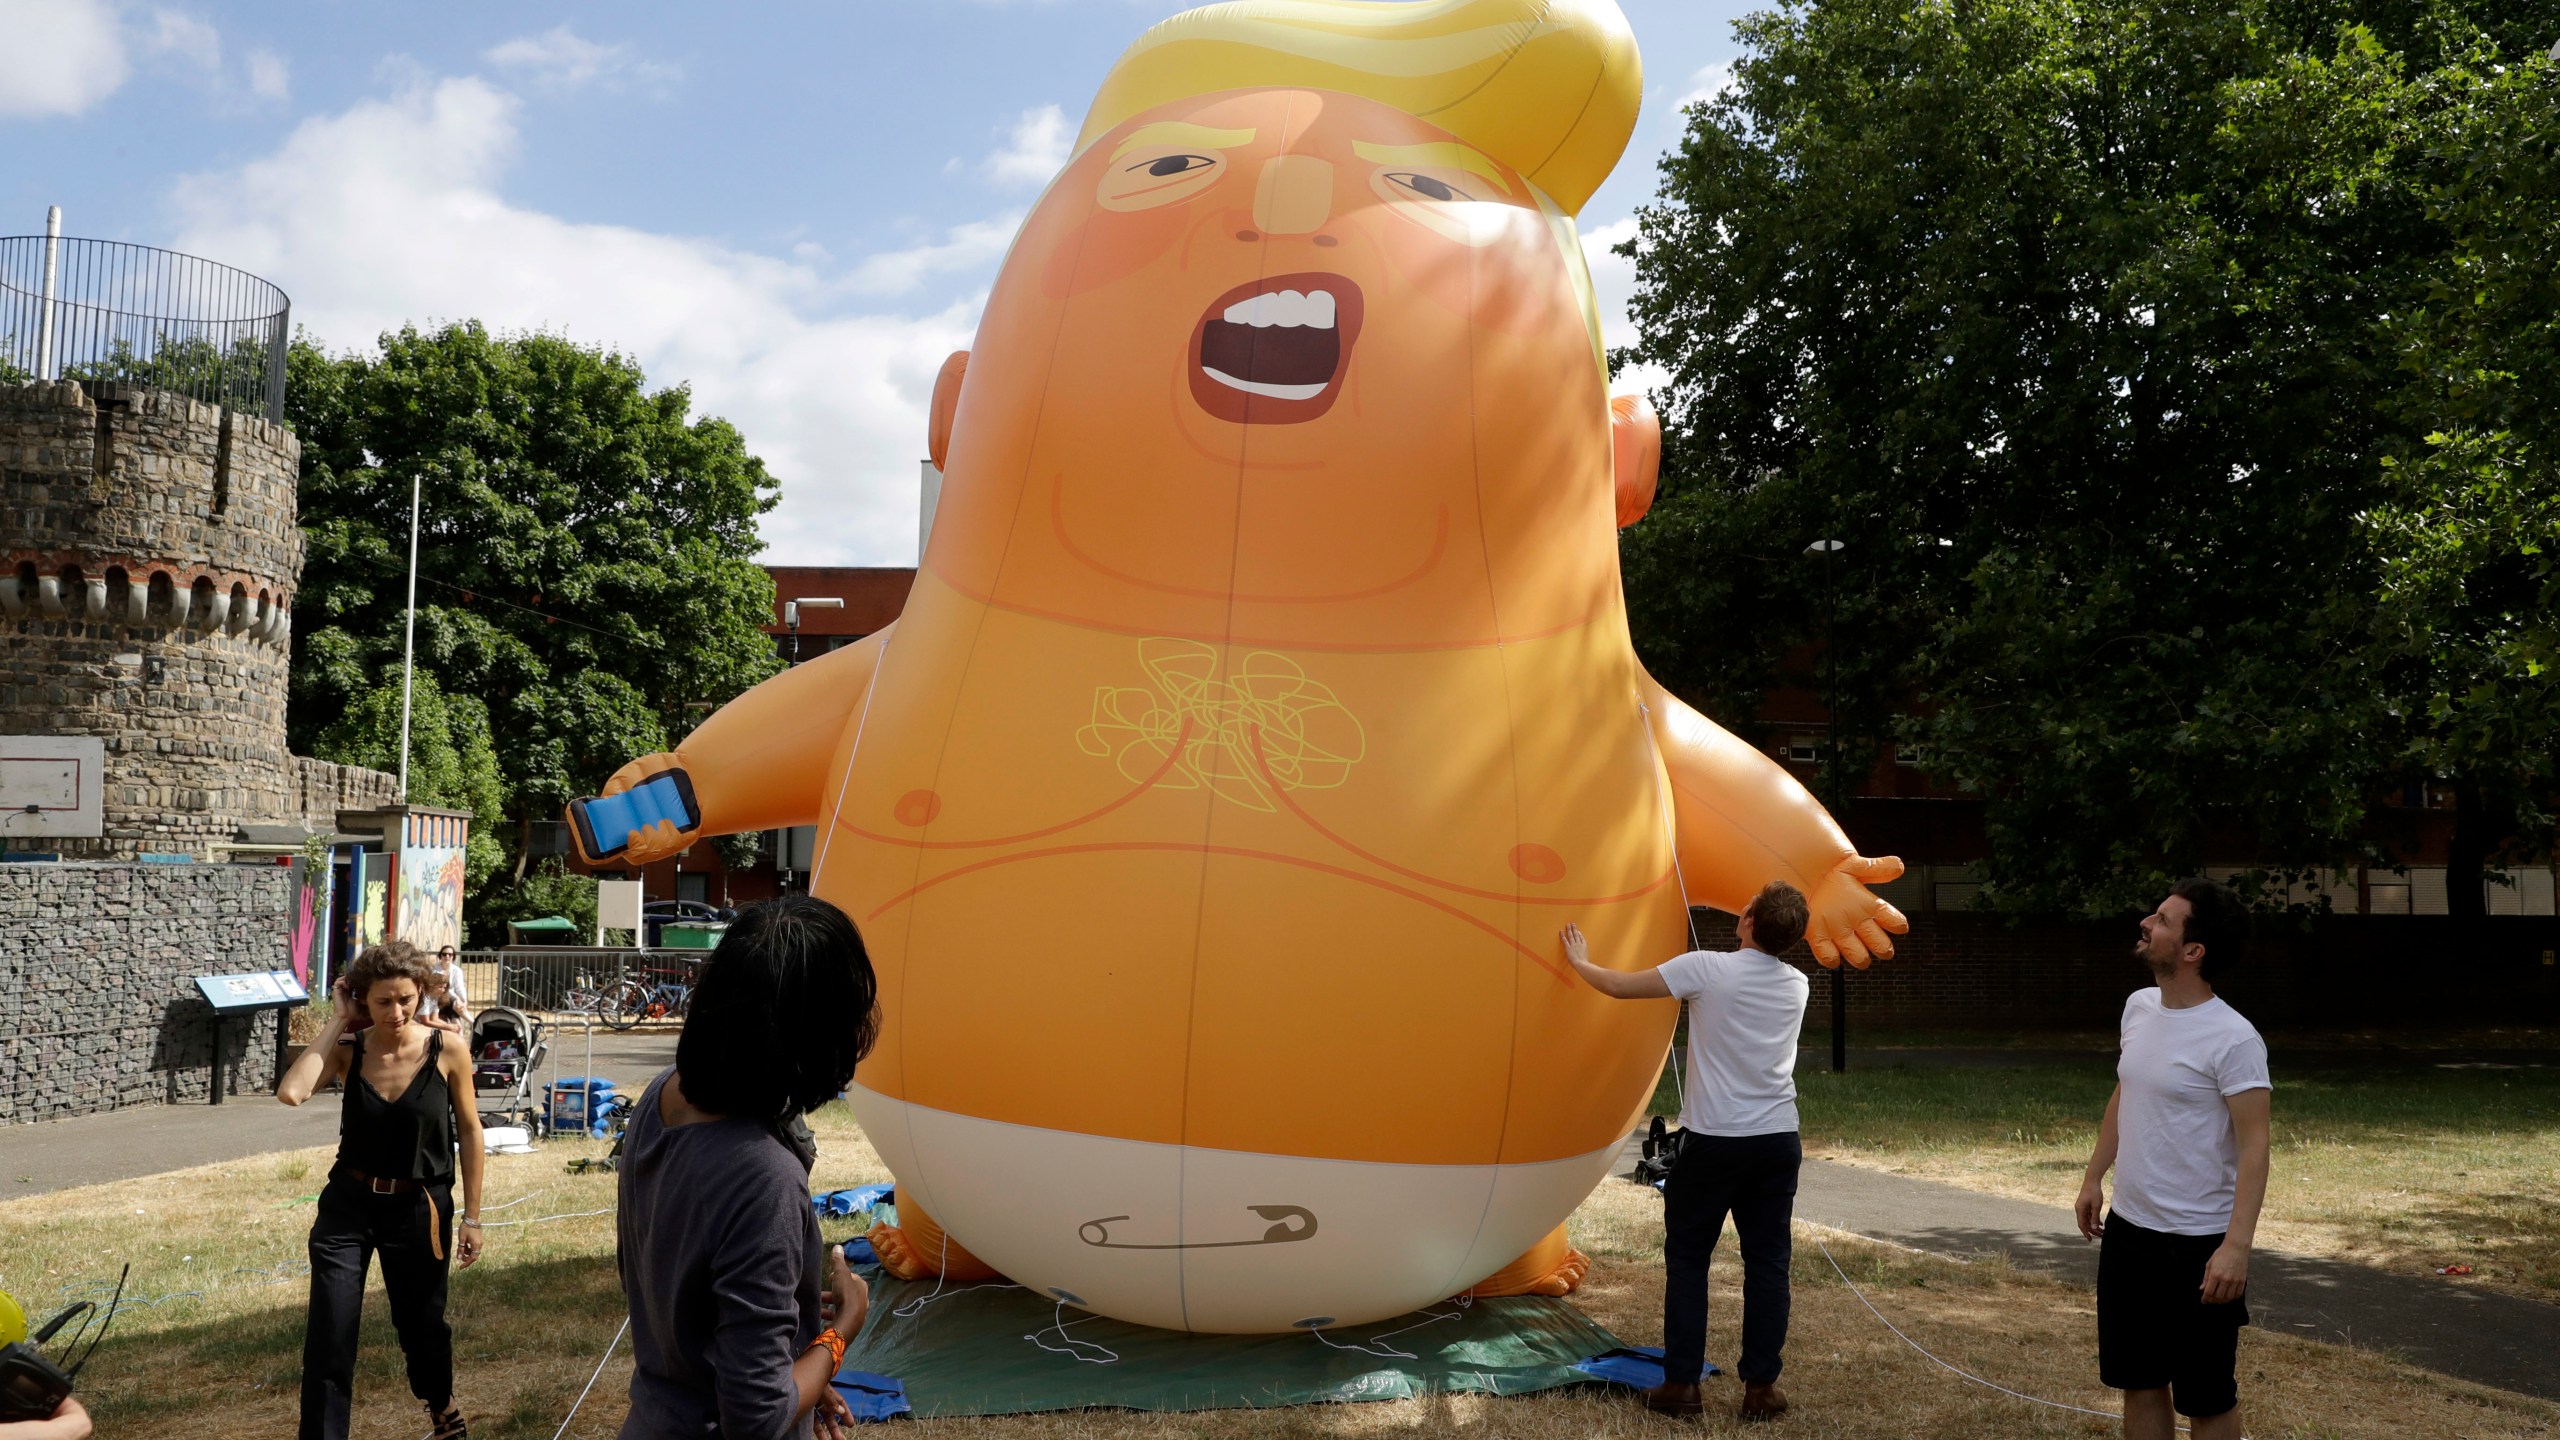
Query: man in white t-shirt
x=2186, y=1133
x=1739, y=1150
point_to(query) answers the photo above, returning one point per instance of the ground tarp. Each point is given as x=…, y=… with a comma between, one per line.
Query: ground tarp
x=1000, y=1350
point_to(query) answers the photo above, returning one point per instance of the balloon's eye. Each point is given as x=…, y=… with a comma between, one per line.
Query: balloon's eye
x=1179, y=164
x=1428, y=187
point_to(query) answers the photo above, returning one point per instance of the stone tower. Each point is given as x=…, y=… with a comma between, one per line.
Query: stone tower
x=148, y=560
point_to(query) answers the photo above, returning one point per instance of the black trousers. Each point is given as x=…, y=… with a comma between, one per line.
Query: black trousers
x=1753, y=1179
x=355, y=1225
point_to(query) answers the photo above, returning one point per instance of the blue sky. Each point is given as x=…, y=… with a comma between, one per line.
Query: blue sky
x=797, y=212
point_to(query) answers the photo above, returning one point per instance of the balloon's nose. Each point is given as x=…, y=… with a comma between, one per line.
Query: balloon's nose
x=1293, y=195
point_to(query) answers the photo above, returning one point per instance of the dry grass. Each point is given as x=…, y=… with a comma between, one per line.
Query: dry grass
x=532, y=1319
x=2404, y=1168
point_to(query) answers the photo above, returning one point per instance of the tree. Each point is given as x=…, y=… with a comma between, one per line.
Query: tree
x=586, y=554
x=2471, y=523
x=2086, y=324
x=452, y=760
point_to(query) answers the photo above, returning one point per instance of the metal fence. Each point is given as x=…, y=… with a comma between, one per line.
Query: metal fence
x=105, y=310
x=619, y=989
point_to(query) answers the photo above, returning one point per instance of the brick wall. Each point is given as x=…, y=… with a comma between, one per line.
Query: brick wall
x=98, y=1006
x=148, y=558
x=2384, y=972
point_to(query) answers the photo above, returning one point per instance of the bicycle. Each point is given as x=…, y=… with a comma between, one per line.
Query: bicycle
x=636, y=1000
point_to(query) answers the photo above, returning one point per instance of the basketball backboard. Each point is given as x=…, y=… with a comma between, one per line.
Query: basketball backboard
x=50, y=786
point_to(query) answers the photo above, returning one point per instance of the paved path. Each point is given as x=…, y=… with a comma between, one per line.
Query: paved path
x=150, y=1139
x=2475, y=1334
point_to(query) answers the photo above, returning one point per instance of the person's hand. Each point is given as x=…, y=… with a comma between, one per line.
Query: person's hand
x=342, y=998
x=833, y=1418
x=2226, y=1275
x=68, y=1422
x=2091, y=1209
x=845, y=1300
x=468, y=1245
x=1576, y=948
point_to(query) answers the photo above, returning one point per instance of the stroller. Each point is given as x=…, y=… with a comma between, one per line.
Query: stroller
x=507, y=1047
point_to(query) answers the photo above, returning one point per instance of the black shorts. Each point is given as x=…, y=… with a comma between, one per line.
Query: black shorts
x=2154, y=1329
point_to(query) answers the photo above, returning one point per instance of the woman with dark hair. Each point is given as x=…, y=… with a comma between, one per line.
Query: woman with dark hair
x=738, y=1312
x=391, y=1190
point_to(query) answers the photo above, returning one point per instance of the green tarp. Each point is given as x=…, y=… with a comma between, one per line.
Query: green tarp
x=970, y=1353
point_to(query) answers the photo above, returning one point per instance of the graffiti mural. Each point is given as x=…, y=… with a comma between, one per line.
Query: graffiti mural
x=431, y=897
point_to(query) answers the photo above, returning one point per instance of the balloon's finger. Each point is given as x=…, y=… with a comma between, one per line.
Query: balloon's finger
x=1851, y=950
x=1875, y=870
x=1826, y=954
x=1892, y=919
x=1873, y=936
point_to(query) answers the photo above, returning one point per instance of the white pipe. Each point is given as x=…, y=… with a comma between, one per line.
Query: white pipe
x=44, y=317
x=49, y=596
x=13, y=603
x=409, y=641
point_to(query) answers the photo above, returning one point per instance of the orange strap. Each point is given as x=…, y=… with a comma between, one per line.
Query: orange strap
x=835, y=1348
x=435, y=1224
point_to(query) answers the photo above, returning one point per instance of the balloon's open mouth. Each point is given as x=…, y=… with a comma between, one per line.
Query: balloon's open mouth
x=1274, y=352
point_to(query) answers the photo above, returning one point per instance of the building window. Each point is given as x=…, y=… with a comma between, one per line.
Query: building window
x=695, y=886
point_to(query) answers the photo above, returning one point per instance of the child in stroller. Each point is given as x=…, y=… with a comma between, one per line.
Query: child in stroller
x=507, y=1046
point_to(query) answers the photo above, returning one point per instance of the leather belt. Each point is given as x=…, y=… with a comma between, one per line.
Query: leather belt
x=382, y=1184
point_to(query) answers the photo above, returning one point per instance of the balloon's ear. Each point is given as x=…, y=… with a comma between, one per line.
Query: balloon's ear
x=946, y=404
x=1635, y=445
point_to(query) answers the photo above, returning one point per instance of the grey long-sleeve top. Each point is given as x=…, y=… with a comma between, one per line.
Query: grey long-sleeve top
x=719, y=1253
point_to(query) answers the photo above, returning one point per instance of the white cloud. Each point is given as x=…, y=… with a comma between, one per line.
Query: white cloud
x=268, y=77
x=561, y=59
x=1711, y=83
x=968, y=246
x=1613, y=282
x=390, y=212
x=1037, y=149
x=185, y=39
x=61, y=56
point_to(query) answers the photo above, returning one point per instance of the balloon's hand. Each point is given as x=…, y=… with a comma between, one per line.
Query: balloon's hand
x=1847, y=920
x=647, y=812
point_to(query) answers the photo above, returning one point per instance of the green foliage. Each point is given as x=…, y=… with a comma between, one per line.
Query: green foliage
x=739, y=851
x=586, y=553
x=548, y=888
x=2088, y=324
x=453, y=761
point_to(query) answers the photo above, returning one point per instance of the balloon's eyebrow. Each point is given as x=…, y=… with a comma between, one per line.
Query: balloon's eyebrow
x=1446, y=154
x=1181, y=134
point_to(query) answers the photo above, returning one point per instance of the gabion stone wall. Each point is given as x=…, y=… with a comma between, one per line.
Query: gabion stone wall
x=148, y=556
x=98, y=1006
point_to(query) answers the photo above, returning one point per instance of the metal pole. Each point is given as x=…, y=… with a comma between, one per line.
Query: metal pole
x=1839, y=813
x=44, y=317
x=409, y=641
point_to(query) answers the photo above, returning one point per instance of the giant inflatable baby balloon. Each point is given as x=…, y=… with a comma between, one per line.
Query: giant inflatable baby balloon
x=1265, y=704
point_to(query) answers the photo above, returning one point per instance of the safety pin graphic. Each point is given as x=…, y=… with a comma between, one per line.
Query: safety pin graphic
x=1290, y=1223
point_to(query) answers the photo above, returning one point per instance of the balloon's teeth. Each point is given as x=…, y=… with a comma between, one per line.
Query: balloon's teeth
x=1285, y=309
x=1263, y=388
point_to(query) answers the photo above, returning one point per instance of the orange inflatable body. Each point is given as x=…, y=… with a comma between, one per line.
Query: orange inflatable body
x=1263, y=708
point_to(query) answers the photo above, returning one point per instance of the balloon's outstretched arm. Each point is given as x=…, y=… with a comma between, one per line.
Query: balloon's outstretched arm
x=1743, y=821
x=756, y=764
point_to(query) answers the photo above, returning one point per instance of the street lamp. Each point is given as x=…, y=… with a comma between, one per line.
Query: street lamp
x=791, y=616
x=1825, y=550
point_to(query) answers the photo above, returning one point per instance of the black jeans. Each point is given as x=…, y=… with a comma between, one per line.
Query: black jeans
x=354, y=1225
x=1752, y=1178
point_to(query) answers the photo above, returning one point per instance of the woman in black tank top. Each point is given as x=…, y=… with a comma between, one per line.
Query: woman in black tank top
x=402, y=1138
